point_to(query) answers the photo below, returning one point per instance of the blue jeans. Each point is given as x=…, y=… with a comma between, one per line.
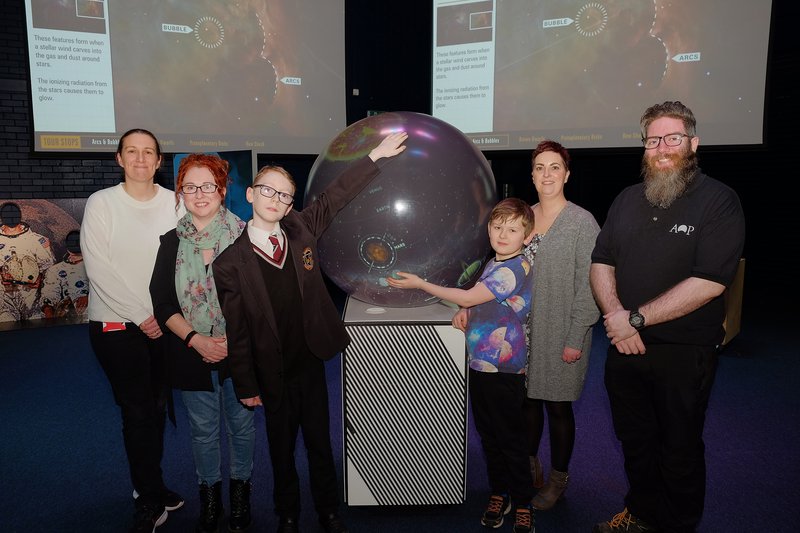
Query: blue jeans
x=204, y=409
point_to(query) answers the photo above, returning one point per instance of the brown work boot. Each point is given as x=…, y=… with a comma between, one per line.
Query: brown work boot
x=624, y=522
x=548, y=495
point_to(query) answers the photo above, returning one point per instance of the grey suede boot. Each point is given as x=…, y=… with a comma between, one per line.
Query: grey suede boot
x=554, y=489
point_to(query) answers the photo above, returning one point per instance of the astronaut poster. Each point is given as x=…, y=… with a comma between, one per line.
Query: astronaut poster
x=42, y=278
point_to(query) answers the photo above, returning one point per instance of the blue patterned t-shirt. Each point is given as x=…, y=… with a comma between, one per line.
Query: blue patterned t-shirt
x=496, y=340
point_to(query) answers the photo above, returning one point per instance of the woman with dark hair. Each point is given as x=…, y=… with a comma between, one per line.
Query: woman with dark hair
x=185, y=302
x=119, y=241
x=563, y=312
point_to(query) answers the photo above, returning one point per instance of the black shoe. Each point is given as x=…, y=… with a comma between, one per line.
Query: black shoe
x=240, y=505
x=332, y=523
x=148, y=517
x=172, y=500
x=524, y=521
x=211, y=511
x=499, y=506
x=288, y=524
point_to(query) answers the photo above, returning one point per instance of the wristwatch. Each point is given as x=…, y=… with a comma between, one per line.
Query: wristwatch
x=636, y=320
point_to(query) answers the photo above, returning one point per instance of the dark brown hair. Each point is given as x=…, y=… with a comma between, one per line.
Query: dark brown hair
x=672, y=110
x=551, y=146
x=143, y=132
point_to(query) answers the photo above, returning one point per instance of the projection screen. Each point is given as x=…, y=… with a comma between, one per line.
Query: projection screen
x=510, y=73
x=261, y=75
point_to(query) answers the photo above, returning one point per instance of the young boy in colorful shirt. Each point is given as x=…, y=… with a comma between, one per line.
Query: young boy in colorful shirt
x=498, y=306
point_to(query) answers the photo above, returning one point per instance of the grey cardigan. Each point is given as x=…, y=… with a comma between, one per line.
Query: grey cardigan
x=563, y=309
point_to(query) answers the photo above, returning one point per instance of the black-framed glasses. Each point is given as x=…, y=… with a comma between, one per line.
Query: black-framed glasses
x=269, y=192
x=191, y=188
x=670, y=139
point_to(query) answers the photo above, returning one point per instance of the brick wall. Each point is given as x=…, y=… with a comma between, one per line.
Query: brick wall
x=23, y=174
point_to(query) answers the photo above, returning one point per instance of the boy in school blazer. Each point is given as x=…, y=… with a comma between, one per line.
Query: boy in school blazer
x=282, y=325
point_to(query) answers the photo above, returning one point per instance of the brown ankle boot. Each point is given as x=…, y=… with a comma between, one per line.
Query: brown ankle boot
x=536, y=472
x=548, y=495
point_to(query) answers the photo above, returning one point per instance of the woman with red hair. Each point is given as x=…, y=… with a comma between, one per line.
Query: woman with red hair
x=185, y=303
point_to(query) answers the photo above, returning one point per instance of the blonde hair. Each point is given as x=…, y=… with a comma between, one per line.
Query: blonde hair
x=280, y=170
x=513, y=209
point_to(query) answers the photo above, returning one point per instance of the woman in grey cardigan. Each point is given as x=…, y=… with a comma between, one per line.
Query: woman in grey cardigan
x=562, y=315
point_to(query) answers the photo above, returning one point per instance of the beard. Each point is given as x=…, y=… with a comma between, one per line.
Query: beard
x=664, y=186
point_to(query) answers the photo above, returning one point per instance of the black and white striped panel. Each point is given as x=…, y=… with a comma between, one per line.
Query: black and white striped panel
x=405, y=415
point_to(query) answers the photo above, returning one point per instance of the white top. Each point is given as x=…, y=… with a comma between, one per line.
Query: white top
x=119, y=243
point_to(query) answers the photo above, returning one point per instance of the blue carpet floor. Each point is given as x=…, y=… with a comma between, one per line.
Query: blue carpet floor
x=63, y=469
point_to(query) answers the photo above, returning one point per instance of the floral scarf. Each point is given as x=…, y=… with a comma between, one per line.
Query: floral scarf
x=194, y=282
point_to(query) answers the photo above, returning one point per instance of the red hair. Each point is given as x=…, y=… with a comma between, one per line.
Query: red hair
x=218, y=167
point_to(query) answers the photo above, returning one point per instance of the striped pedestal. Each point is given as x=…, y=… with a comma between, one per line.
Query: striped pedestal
x=405, y=411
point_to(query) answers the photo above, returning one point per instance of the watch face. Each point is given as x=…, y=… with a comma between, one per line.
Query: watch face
x=636, y=319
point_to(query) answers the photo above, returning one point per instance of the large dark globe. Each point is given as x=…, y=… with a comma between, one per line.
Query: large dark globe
x=425, y=213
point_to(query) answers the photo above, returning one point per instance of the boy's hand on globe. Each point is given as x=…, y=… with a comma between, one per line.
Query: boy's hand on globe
x=405, y=281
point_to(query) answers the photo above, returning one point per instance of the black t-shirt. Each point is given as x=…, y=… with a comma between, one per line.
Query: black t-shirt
x=700, y=235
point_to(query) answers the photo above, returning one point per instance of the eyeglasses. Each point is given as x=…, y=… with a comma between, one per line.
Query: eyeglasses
x=191, y=188
x=671, y=139
x=269, y=192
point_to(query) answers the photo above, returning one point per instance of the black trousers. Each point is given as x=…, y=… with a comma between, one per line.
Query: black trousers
x=136, y=370
x=497, y=401
x=658, y=405
x=304, y=406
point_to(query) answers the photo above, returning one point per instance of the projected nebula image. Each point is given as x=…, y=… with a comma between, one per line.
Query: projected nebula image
x=583, y=71
x=578, y=49
x=219, y=67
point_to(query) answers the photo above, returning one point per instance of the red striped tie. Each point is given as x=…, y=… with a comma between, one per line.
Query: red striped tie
x=277, y=251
